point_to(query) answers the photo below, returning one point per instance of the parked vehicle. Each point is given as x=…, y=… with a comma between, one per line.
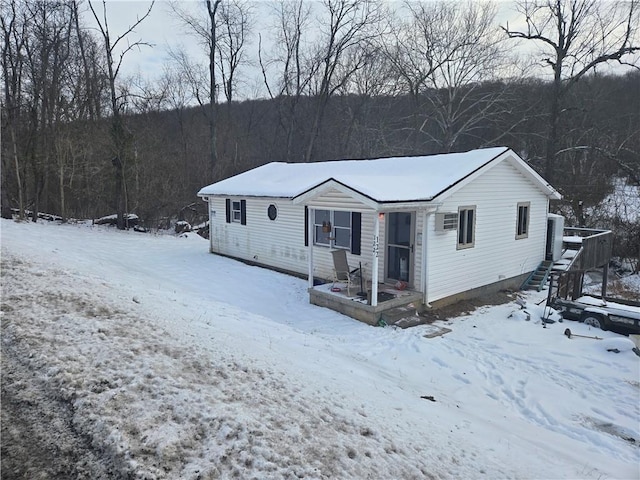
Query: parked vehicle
x=601, y=313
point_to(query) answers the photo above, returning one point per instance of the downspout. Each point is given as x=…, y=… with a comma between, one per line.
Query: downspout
x=425, y=261
x=374, y=264
x=310, y=236
x=210, y=213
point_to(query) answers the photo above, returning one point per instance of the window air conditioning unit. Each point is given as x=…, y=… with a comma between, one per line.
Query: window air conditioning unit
x=446, y=221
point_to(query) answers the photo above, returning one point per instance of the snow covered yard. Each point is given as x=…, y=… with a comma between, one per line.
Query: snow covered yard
x=175, y=363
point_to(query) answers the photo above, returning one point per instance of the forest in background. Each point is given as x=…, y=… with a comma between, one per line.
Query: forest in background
x=344, y=80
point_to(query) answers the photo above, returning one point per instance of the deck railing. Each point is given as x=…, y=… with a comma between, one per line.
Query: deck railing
x=595, y=251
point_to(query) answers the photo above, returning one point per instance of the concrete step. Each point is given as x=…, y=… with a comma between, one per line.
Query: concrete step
x=392, y=315
x=407, y=322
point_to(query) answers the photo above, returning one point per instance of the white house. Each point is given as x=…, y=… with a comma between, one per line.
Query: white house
x=447, y=225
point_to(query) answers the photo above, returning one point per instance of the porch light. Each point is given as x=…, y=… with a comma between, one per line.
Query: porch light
x=326, y=227
x=381, y=216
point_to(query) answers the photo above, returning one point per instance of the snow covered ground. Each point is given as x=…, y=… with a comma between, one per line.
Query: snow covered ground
x=171, y=362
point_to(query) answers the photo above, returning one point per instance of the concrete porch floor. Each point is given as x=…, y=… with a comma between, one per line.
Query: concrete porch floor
x=354, y=306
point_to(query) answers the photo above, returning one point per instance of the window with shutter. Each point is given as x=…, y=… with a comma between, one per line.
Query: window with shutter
x=337, y=229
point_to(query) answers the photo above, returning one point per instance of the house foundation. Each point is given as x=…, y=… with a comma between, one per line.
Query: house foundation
x=360, y=308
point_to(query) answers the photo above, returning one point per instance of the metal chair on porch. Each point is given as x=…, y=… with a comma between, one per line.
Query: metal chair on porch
x=341, y=271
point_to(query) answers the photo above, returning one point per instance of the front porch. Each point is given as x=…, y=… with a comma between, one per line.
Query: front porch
x=391, y=303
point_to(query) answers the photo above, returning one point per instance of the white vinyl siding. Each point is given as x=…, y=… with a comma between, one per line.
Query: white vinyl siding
x=279, y=243
x=336, y=200
x=496, y=254
x=276, y=243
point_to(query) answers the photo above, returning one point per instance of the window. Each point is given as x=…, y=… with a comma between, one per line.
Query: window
x=236, y=211
x=337, y=229
x=522, y=228
x=322, y=228
x=466, y=227
x=342, y=229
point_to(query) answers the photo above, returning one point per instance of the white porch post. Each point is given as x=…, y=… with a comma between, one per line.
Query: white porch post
x=425, y=259
x=310, y=244
x=211, y=224
x=374, y=264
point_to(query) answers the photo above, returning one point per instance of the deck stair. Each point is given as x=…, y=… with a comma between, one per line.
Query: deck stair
x=539, y=277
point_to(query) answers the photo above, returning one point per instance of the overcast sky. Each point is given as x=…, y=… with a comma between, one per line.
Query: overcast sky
x=164, y=30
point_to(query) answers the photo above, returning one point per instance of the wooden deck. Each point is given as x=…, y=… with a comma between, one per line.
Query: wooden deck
x=585, y=249
x=359, y=307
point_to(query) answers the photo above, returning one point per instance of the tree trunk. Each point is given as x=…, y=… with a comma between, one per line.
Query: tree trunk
x=16, y=164
x=212, y=89
x=552, y=132
x=317, y=125
x=118, y=192
x=5, y=203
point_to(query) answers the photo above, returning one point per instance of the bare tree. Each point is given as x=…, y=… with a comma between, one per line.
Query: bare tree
x=575, y=37
x=442, y=55
x=119, y=133
x=91, y=59
x=347, y=26
x=14, y=35
x=212, y=9
x=410, y=48
x=224, y=35
x=43, y=56
x=364, y=134
x=235, y=26
x=471, y=54
x=295, y=68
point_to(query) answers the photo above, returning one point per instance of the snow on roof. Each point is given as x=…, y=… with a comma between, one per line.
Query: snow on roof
x=383, y=179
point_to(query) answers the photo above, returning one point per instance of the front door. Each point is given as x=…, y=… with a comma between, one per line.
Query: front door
x=400, y=234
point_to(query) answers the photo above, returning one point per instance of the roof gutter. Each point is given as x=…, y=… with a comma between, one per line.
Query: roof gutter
x=408, y=206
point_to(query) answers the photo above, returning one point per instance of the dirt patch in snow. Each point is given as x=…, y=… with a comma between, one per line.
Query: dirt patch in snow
x=465, y=307
x=39, y=439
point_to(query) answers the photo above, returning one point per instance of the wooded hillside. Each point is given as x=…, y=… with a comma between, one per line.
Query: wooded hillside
x=79, y=141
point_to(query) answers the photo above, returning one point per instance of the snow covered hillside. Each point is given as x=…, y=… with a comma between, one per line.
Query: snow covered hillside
x=163, y=361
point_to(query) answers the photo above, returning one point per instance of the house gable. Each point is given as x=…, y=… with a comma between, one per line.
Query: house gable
x=331, y=194
x=497, y=252
x=507, y=156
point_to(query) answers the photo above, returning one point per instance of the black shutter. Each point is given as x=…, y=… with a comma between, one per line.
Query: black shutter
x=356, y=228
x=243, y=212
x=228, y=202
x=306, y=226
